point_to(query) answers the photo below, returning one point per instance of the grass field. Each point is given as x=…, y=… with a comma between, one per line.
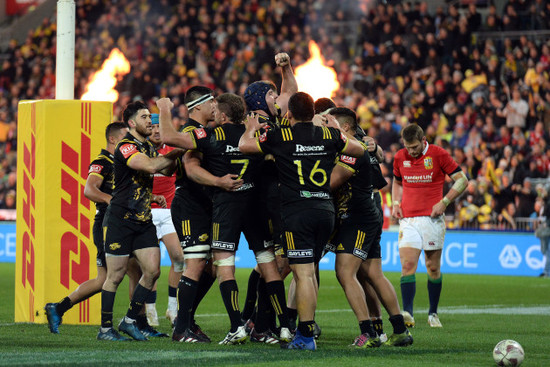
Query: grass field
x=476, y=312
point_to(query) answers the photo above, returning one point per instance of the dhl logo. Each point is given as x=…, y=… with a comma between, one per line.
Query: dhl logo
x=28, y=251
x=74, y=170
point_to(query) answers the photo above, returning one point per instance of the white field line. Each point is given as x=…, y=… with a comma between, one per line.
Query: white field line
x=453, y=310
x=456, y=310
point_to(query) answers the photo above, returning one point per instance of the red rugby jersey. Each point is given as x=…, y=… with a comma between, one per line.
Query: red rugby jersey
x=164, y=185
x=422, y=178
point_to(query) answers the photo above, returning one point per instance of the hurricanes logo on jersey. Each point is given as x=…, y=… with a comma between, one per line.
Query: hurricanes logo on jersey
x=428, y=163
x=203, y=237
x=114, y=246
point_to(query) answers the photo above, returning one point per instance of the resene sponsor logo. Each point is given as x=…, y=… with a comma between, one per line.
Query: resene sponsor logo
x=232, y=149
x=309, y=148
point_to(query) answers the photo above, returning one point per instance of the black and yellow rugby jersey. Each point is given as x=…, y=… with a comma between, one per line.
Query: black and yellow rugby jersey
x=184, y=185
x=133, y=189
x=355, y=196
x=103, y=166
x=304, y=156
x=220, y=147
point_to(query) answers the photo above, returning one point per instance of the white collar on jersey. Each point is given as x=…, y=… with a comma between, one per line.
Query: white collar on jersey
x=426, y=149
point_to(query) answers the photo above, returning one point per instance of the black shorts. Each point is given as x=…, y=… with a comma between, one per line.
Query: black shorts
x=270, y=207
x=306, y=232
x=97, y=232
x=241, y=214
x=192, y=219
x=123, y=236
x=360, y=238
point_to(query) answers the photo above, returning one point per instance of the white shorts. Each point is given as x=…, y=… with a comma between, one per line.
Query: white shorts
x=162, y=219
x=422, y=233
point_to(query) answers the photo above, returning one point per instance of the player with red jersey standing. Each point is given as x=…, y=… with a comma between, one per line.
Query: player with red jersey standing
x=162, y=219
x=419, y=204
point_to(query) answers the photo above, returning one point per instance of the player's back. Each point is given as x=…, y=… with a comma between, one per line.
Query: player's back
x=305, y=156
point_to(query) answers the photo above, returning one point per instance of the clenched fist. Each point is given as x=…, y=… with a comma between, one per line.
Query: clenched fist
x=282, y=59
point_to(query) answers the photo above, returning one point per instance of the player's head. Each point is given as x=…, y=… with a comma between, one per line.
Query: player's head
x=115, y=131
x=155, y=136
x=262, y=96
x=346, y=117
x=200, y=103
x=230, y=107
x=323, y=105
x=414, y=140
x=137, y=116
x=301, y=107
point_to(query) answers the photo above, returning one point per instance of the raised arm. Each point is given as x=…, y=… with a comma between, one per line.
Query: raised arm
x=289, y=86
x=168, y=132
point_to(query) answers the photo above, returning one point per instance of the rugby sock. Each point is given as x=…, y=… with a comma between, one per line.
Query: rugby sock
x=172, y=298
x=263, y=313
x=230, y=296
x=434, y=291
x=107, y=302
x=276, y=292
x=398, y=324
x=141, y=321
x=408, y=290
x=251, y=295
x=292, y=315
x=306, y=328
x=367, y=328
x=152, y=297
x=186, y=297
x=205, y=283
x=377, y=324
x=138, y=299
x=63, y=306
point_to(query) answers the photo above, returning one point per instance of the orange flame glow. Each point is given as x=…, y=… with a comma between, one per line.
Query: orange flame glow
x=314, y=77
x=101, y=86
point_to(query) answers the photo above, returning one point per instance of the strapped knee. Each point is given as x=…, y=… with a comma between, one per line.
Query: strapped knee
x=264, y=256
x=230, y=261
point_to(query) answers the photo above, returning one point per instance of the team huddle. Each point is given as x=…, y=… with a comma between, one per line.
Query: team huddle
x=297, y=178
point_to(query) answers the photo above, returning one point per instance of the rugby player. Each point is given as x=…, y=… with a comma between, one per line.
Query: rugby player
x=419, y=171
x=128, y=225
x=99, y=187
x=304, y=158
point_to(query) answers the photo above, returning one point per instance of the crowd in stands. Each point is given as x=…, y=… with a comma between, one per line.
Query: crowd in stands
x=487, y=102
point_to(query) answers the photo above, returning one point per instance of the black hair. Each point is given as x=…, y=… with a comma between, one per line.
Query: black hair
x=131, y=109
x=346, y=116
x=113, y=128
x=301, y=106
x=196, y=92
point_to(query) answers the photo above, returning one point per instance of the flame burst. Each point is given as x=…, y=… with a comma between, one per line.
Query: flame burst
x=314, y=77
x=101, y=86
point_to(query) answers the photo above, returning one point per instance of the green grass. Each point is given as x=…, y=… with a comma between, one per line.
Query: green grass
x=476, y=312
